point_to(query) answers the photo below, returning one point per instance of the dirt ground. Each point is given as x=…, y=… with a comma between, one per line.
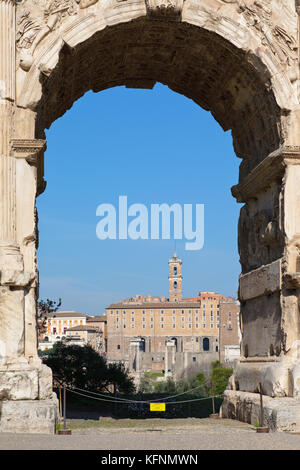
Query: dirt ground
x=109, y=434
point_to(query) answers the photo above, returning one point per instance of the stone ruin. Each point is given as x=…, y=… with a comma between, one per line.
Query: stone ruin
x=237, y=59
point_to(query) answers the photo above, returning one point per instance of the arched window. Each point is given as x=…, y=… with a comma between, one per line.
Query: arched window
x=175, y=271
x=175, y=285
x=205, y=344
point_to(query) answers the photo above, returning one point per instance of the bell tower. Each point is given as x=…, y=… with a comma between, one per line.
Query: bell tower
x=175, y=279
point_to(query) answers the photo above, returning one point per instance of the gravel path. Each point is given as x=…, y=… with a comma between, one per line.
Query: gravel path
x=205, y=434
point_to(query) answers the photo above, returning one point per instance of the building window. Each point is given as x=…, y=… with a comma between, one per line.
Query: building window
x=117, y=312
x=196, y=311
x=111, y=312
x=204, y=325
x=217, y=348
x=182, y=325
x=190, y=325
x=211, y=325
x=124, y=312
x=174, y=311
x=205, y=344
x=144, y=312
x=194, y=359
x=144, y=319
x=161, y=318
x=151, y=326
x=118, y=347
x=162, y=325
x=197, y=326
x=144, y=326
x=182, y=311
x=161, y=311
x=190, y=318
x=132, y=325
x=175, y=271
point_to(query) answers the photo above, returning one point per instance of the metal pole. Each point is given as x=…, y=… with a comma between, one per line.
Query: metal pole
x=60, y=407
x=261, y=407
x=65, y=406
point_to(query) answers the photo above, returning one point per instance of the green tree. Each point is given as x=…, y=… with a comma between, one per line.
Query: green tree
x=219, y=378
x=197, y=382
x=169, y=386
x=82, y=367
x=45, y=307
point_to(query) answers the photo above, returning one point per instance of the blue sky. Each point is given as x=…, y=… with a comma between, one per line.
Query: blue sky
x=155, y=146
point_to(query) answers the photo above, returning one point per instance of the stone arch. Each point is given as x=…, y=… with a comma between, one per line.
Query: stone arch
x=205, y=56
x=237, y=59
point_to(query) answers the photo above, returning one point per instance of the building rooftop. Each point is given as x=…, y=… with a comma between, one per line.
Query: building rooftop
x=96, y=318
x=66, y=313
x=82, y=328
x=155, y=305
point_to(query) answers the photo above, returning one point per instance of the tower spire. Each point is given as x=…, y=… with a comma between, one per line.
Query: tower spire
x=175, y=278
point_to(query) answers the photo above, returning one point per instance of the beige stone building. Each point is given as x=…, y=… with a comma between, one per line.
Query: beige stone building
x=57, y=324
x=230, y=333
x=174, y=336
x=99, y=323
x=74, y=328
x=83, y=335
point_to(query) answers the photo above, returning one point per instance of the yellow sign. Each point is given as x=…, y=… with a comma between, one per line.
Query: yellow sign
x=157, y=407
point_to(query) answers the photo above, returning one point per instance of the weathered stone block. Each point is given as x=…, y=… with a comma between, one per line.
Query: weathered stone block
x=19, y=385
x=29, y=416
x=280, y=414
x=261, y=320
x=262, y=281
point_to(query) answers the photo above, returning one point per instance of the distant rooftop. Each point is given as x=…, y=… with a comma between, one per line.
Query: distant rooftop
x=82, y=328
x=156, y=305
x=96, y=318
x=66, y=313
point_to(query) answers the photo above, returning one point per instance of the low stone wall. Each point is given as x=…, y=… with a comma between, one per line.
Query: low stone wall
x=280, y=414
